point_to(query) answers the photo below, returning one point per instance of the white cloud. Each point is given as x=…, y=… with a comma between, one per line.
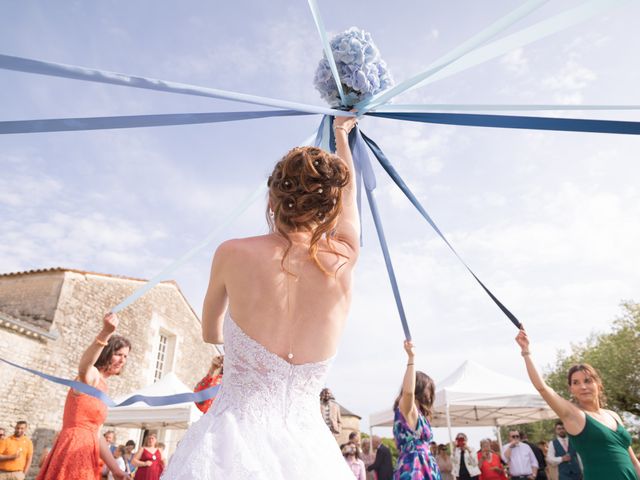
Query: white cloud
x=572, y=76
x=516, y=62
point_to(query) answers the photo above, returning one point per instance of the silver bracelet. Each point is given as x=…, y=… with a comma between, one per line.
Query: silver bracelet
x=340, y=127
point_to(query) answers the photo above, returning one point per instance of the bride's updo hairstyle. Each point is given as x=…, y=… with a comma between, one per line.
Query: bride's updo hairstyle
x=305, y=195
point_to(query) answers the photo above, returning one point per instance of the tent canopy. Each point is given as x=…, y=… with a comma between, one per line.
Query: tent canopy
x=476, y=396
x=141, y=415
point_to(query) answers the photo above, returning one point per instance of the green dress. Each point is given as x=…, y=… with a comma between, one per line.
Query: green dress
x=604, y=452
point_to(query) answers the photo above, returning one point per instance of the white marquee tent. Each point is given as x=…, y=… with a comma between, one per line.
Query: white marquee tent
x=475, y=396
x=141, y=415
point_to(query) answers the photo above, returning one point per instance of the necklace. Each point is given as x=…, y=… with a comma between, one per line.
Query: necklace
x=289, y=274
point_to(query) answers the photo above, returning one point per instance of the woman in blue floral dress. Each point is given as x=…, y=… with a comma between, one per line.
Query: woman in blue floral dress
x=411, y=427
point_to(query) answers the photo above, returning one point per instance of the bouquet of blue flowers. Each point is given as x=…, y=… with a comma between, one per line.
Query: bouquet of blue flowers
x=362, y=71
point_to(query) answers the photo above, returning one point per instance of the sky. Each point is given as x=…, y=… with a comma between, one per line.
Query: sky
x=548, y=220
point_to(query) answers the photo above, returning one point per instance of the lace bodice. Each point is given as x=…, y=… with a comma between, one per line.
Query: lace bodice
x=265, y=423
x=258, y=383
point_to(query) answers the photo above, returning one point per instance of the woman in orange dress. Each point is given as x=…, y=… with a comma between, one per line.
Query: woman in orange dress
x=76, y=452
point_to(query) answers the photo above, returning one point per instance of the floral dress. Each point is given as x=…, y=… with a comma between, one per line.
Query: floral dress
x=415, y=462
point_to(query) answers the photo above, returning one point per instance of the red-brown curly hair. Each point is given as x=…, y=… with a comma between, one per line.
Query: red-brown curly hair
x=305, y=194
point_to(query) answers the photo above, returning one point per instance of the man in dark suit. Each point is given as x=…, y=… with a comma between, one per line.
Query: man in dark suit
x=383, y=465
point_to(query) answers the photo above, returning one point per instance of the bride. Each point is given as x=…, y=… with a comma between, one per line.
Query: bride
x=280, y=303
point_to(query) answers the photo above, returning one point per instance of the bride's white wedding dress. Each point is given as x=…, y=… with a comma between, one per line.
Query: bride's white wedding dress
x=265, y=423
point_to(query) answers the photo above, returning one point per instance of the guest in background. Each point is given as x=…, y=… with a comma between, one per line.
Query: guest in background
x=433, y=449
x=444, y=462
x=544, y=448
x=542, y=464
x=411, y=423
x=465, y=460
x=130, y=448
x=368, y=457
x=161, y=448
x=350, y=454
x=354, y=438
x=211, y=379
x=383, y=464
x=110, y=438
x=16, y=453
x=148, y=460
x=75, y=454
x=330, y=412
x=562, y=454
x=522, y=463
x=118, y=454
x=490, y=463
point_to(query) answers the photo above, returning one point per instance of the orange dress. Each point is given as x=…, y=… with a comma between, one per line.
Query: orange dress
x=76, y=453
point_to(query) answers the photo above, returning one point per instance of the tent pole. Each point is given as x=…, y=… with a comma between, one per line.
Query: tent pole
x=448, y=423
x=499, y=435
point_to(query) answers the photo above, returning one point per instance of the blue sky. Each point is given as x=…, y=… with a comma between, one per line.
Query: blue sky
x=548, y=220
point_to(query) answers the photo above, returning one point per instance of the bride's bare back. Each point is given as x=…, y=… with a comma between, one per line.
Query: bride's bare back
x=295, y=308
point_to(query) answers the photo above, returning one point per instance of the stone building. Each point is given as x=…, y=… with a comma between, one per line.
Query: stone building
x=350, y=423
x=48, y=318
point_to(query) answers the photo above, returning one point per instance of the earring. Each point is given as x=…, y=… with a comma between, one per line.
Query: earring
x=271, y=214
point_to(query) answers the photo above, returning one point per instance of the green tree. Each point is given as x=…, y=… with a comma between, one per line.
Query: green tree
x=616, y=355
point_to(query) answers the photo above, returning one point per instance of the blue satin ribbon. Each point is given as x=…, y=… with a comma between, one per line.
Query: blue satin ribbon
x=395, y=176
x=135, y=121
x=157, y=401
x=515, y=121
x=28, y=65
x=361, y=157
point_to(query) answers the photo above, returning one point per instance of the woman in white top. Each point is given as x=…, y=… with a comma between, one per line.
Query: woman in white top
x=465, y=460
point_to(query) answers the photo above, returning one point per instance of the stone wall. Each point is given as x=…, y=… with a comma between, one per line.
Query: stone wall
x=75, y=302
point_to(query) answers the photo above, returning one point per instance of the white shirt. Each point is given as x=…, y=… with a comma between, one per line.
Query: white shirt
x=120, y=463
x=554, y=459
x=522, y=460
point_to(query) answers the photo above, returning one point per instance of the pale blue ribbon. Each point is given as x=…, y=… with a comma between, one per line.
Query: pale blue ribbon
x=39, y=67
x=315, y=11
x=228, y=220
x=458, y=52
x=457, y=63
x=153, y=401
x=452, y=107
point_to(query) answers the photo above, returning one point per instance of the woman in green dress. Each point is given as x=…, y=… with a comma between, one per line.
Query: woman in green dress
x=597, y=434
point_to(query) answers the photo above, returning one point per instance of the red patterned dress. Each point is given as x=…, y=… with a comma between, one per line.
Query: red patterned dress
x=206, y=382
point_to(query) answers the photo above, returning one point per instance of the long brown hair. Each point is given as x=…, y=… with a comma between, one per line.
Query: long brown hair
x=424, y=394
x=593, y=374
x=305, y=194
x=115, y=343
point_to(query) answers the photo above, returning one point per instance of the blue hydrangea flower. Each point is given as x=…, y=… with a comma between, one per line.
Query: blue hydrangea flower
x=362, y=72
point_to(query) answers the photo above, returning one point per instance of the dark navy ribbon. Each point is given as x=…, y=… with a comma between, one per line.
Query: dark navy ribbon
x=382, y=159
x=158, y=401
x=135, y=121
x=361, y=158
x=516, y=121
